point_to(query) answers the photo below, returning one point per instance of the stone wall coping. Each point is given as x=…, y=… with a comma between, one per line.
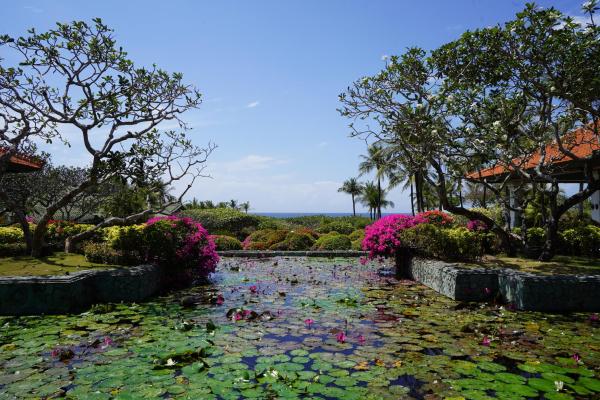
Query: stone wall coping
x=288, y=253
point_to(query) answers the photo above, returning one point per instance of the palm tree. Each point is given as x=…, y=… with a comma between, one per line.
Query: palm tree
x=372, y=198
x=378, y=160
x=407, y=179
x=245, y=206
x=354, y=188
x=233, y=204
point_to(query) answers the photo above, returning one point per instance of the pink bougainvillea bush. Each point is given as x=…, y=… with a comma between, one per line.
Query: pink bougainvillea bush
x=382, y=237
x=180, y=243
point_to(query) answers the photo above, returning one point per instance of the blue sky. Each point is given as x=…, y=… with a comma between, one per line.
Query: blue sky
x=270, y=73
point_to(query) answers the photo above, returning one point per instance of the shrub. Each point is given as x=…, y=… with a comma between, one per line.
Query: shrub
x=357, y=244
x=357, y=234
x=297, y=241
x=494, y=213
x=267, y=238
x=223, y=242
x=103, y=253
x=315, y=221
x=58, y=231
x=382, y=237
x=224, y=219
x=127, y=238
x=180, y=243
x=580, y=241
x=342, y=227
x=451, y=243
x=535, y=237
x=12, y=249
x=11, y=234
x=434, y=217
x=477, y=225
x=333, y=242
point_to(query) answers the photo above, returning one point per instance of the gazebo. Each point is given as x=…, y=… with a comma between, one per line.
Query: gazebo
x=21, y=163
x=581, y=143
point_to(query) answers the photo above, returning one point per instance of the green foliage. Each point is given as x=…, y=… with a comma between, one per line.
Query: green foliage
x=444, y=243
x=225, y=219
x=357, y=234
x=342, y=227
x=357, y=244
x=295, y=241
x=581, y=241
x=264, y=239
x=494, y=213
x=12, y=249
x=316, y=221
x=11, y=234
x=333, y=241
x=535, y=237
x=224, y=242
x=103, y=253
x=58, y=231
x=127, y=238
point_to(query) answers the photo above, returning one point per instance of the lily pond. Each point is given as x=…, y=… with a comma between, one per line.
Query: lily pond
x=301, y=328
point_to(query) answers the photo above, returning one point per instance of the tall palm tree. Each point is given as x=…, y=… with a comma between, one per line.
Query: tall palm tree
x=376, y=160
x=405, y=178
x=372, y=198
x=354, y=188
x=233, y=204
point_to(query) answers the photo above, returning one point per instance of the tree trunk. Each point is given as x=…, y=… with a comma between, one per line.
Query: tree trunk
x=37, y=243
x=580, y=205
x=483, y=202
x=551, y=224
x=378, y=197
x=412, y=197
x=22, y=218
x=353, y=206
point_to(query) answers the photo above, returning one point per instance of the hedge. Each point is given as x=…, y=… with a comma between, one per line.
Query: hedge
x=215, y=220
x=333, y=241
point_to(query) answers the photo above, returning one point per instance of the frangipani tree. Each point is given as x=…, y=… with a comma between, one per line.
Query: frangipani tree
x=493, y=97
x=75, y=78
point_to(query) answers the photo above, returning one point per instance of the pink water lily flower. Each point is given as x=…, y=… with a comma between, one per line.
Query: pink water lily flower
x=247, y=312
x=577, y=358
x=107, y=342
x=237, y=316
x=361, y=339
x=341, y=337
x=309, y=322
x=220, y=299
x=486, y=341
x=253, y=289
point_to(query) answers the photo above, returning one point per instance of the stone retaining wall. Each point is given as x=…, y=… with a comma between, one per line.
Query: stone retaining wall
x=560, y=293
x=77, y=291
x=308, y=253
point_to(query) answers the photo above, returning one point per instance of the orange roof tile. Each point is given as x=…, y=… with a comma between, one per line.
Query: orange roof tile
x=582, y=143
x=18, y=163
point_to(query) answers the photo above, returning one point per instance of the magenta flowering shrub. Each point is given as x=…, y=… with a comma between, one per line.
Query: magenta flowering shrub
x=382, y=237
x=476, y=225
x=180, y=243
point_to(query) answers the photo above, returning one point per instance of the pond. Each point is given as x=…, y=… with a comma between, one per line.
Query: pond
x=306, y=328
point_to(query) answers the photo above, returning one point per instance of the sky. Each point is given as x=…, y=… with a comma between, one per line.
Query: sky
x=270, y=73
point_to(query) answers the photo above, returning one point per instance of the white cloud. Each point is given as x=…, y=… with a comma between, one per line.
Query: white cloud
x=249, y=163
x=322, y=144
x=33, y=9
x=253, y=104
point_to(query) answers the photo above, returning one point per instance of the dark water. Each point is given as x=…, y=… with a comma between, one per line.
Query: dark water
x=300, y=214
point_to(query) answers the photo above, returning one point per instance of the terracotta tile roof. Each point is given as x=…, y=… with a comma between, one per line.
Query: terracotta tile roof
x=20, y=163
x=582, y=142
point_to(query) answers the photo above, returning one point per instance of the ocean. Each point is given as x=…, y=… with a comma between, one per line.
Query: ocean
x=305, y=214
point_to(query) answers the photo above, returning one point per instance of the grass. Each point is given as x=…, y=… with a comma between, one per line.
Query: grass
x=56, y=264
x=558, y=265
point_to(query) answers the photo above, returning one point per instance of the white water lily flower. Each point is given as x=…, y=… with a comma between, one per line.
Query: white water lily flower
x=274, y=373
x=559, y=385
x=170, y=362
x=497, y=124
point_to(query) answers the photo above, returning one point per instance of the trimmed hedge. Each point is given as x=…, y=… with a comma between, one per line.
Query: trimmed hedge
x=458, y=244
x=11, y=234
x=215, y=220
x=103, y=253
x=127, y=238
x=224, y=242
x=342, y=227
x=333, y=241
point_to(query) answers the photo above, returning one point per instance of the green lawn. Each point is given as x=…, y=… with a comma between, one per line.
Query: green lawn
x=558, y=265
x=56, y=264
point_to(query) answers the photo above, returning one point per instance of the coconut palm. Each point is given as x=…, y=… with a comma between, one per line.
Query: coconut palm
x=233, y=204
x=377, y=160
x=374, y=199
x=245, y=206
x=354, y=188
